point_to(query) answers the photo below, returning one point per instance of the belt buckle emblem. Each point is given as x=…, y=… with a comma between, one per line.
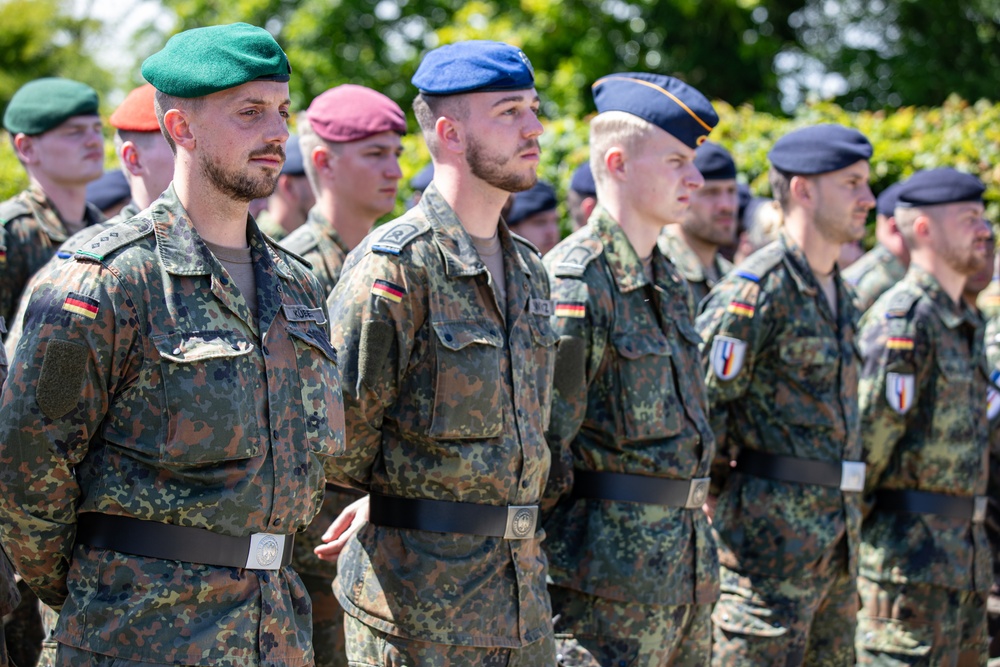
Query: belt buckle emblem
x=521, y=522
x=852, y=476
x=266, y=551
x=697, y=492
x=979, y=509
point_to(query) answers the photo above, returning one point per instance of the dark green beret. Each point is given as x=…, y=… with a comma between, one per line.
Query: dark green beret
x=199, y=62
x=43, y=104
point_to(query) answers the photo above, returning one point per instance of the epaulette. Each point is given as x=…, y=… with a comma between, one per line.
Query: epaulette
x=900, y=304
x=299, y=242
x=277, y=246
x=395, y=235
x=762, y=262
x=114, y=238
x=526, y=242
x=574, y=263
x=13, y=208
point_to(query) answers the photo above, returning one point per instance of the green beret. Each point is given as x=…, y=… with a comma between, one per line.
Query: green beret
x=199, y=62
x=43, y=104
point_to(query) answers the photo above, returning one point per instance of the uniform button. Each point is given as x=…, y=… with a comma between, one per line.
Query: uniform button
x=524, y=484
x=277, y=522
x=177, y=350
x=235, y=346
x=265, y=350
x=275, y=433
x=448, y=337
x=224, y=280
x=725, y=617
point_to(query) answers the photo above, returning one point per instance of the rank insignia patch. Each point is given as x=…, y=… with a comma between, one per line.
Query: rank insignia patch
x=571, y=309
x=81, y=305
x=740, y=308
x=899, y=343
x=388, y=290
x=727, y=356
x=899, y=390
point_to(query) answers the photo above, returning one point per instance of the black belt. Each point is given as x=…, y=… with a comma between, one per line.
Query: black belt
x=843, y=475
x=967, y=508
x=152, y=539
x=512, y=522
x=687, y=493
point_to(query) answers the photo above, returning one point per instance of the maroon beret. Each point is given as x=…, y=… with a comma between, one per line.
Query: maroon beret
x=350, y=112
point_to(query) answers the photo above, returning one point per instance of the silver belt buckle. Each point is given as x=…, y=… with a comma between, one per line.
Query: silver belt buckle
x=979, y=509
x=852, y=476
x=521, y=522
x=697, y=492
x=266, y=551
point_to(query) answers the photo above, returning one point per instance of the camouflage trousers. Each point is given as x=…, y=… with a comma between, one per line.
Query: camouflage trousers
x=808, y=619
x=596, y=632
x=920, y=624
x=368, y=647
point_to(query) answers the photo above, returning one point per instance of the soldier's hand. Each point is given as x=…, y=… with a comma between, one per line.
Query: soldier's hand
x=343, y=527
x=709, y=507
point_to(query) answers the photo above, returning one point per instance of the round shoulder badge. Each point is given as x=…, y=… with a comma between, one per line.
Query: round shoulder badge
x=899, y=391
x=727, y=356
x=993, y=396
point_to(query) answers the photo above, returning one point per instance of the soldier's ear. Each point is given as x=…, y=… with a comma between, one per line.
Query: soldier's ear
x=450, y=134
x=24, y=146
x=802, y=190
x=616, y=162
x=178, y=126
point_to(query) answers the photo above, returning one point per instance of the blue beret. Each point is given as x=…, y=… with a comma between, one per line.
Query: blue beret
x=714, y=162
x=475, y=66
x=109, y=189
x=885, y=204
x=539, y=198
x=583, y=181
x=744, y=196
x=939, y=186
x=42, y=104
x=423, y=178
x=293, y=158
x=202, y=61
x=819, y=149
x=664, y=101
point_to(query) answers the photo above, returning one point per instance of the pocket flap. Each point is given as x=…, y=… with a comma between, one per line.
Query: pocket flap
x=456, y=335
x=315, y=337
x=190, y=346
x=635, y=345
x=690, y=333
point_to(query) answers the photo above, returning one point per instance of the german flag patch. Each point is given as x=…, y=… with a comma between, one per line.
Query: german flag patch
x=388, y=290
x=81, y=305
x=740, y=308
x=571, y=309
x=899, y=343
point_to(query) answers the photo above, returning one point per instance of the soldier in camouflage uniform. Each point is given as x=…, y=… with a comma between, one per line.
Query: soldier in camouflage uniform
x=781, y=370
x=56, y=134
x=632, y=559
x=288, y=208
x=884, y=265
x=447, y=354
x=9, y=596
x=926, y=399
x=148, y=163
x=175, y=397
x=351, y=141
x=710, y=223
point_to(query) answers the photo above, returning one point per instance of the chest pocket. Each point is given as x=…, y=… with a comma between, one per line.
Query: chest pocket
x=808, y=395
x=208, y=387
x=319, y=383
x=467, y=399
x=954, y=388
x=543, y=354
x=649, y=401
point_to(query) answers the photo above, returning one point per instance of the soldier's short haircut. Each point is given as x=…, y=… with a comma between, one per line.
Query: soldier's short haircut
x=614, y=129
x=781, y=186
x=308, y=142
x=428, y=108
x=905, y=217
x=162, y=103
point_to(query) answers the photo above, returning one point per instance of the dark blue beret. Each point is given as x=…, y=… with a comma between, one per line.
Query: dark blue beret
x=744, y=196
x=109, y=189
x=583, y=181
x=541, y=197
x=714, y=162
x=294, y=166
x=939, y=186
x=423, y=178
x=202, y=61
x=475, y=66
x=885, y=204
x=819, y=149
x=664, y=101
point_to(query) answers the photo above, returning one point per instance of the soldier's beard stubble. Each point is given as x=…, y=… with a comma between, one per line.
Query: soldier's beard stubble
x=493, y=168
x=239, y=185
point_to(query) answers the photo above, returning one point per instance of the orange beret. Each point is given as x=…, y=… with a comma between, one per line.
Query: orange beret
x=136, y=112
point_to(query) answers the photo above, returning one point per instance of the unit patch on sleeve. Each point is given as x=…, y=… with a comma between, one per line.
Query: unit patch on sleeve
x=727, y=356
x=388, y=290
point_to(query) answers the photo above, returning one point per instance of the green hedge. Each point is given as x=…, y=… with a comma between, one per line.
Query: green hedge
x=959, y=134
